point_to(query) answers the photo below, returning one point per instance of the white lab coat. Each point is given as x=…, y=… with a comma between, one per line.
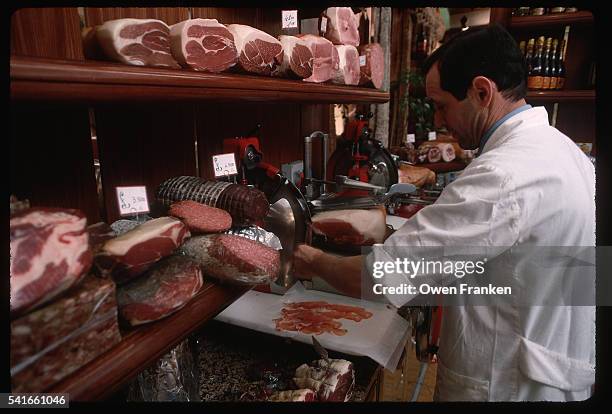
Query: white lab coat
x=531, y=185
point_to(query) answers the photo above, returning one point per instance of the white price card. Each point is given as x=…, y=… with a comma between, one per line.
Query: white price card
x=410, y=138
x=224, y=164
x=289, y=19
x=323, y=24
x=132, y=200
x=431, y=136
x=362, y=60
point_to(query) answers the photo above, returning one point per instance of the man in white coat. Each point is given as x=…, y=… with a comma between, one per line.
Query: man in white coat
x=529, y=185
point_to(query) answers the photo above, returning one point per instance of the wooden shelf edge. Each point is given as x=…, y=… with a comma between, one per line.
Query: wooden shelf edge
x=143, y=345
x=562, y=96
x=46, y=79
x=552, y=19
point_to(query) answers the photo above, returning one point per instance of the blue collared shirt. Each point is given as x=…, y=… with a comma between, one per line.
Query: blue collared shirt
x=497, y=124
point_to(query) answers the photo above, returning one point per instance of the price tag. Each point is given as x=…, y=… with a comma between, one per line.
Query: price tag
x=289, y=19
x=410, y=138
x=224, y=164
x=323, y=24
x=431, y=136
x=362, y=60
x=132, y=200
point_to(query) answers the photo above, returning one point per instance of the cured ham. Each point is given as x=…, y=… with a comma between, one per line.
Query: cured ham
x=318, y=317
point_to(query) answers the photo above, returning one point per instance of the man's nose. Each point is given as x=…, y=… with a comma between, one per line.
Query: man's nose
x=438, y=120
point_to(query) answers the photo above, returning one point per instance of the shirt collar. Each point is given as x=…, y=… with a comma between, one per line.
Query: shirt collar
x=497, y=124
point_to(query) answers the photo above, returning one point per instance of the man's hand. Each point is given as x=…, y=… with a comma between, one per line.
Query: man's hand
x=304, y=259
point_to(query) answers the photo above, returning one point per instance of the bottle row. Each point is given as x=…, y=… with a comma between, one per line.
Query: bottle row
x=545, y=59
x=541, y=11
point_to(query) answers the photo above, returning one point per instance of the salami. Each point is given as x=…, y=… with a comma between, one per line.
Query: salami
x=200, y=218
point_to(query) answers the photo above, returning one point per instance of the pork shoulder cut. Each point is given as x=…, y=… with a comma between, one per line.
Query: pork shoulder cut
x=325, y=58
x=342, y=26
x=357, y=227
x=372, y=65
x=203, y=44
x=258, y=52
x=348, y=72
x=234, y=258
x=141, y=42
x=297, y=58
x=49, y=253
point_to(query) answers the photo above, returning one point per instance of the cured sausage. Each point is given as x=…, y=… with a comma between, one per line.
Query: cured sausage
x=201, y=218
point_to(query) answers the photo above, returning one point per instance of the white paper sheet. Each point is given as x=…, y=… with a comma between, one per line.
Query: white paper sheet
x=381, y=337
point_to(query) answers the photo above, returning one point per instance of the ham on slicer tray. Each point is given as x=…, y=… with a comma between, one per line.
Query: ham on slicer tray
x=377, y=331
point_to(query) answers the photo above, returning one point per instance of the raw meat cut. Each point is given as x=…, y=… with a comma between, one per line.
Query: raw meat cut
x=258, y=52
x=52, y=342
x=434, y=154
x=245, y=205
x=325, y=58
x=297, y=58
x=348, y=72
x=140, y=42
x=165, y=288
x=373, y=69
x=342, y=26
x=357, y=227
x=318, y=317
x=234, y=258
x=130, y=254
x=419, y=176
x=305, y=395
x=49, y=253
x=332, y=381
x=447, y=149
x=201, y=218
x=203, y=44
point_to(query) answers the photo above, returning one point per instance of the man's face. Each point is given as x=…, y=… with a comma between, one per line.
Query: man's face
x=459, y=117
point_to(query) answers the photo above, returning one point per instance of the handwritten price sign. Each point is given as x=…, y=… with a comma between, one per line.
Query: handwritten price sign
x=224, y=164
x=132, y=200
x=289, y=19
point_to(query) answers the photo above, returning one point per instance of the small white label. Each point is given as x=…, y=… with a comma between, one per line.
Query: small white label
x=431, y=136
x=132, y=200
x=224, y=164
x=362, y=60
x=323, y=24
x=289, y=19
x=410, y=138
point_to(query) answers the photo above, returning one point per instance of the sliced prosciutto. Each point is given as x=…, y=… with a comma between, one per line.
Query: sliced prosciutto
x=258, y=52
x=348, y=72
x=204, y=45
x=326, y=59
x=141, y=42
x=342, y=26
x=297, y=58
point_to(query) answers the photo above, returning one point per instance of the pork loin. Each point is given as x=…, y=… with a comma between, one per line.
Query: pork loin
x=234, y=258
x=348, y=72
x=130, y=254
x=258, y=52
x=372, y=65
x=141, y=42
x=356, y=227
x=297, y=58
x=325, y=58
x=342, y=26
x=203, y=44
x=49, y=253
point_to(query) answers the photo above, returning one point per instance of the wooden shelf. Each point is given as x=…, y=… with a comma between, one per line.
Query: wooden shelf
x=444, y=167
x=578, y=17
x=143, y=345
x=93, y=81
x=561, y=96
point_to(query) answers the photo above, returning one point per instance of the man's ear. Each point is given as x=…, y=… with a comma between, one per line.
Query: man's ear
x=482, y=90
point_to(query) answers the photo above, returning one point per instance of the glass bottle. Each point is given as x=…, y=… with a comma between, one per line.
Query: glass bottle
x=553, y=65
x=546, y=70
x=534, y=80
x=561, y=67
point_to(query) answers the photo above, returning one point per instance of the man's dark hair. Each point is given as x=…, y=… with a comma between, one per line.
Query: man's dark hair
x=491, y=52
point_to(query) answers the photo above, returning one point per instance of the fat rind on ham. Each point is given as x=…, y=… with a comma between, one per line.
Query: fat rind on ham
x=258, y=52
x=372, y=73
x=357, y=227
x=130, y=254
x=49, y=253
x=297, y=58
x=348, y=72
x=203, y=45
x=326, y=60
x=141, y=42
x=342, y=26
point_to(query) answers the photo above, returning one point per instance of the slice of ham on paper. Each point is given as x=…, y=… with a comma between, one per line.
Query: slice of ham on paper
x=342, y=26
x=326, y=59
x=141, y=42
x=204, y=45
x=348, y=72
x=372, y=64
x=258, y=52
x=297, y=58
x=317, y=317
